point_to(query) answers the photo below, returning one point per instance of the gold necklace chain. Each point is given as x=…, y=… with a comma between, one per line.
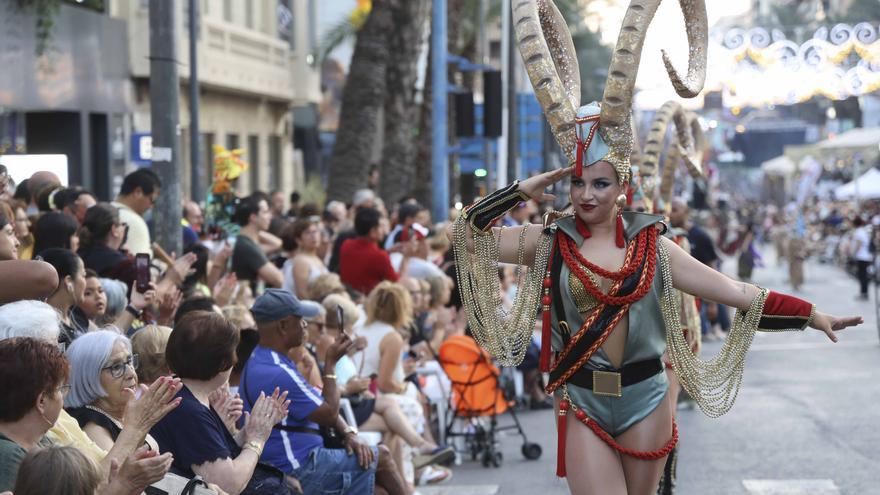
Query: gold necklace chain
x=714, y=384
x=504, y=334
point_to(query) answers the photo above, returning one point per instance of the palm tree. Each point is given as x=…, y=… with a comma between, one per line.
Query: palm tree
x=362, y=101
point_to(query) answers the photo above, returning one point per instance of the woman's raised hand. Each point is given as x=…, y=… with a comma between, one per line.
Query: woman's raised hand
x=534, y=187
x=266, y=413
x=830, y=324
x=154, y=403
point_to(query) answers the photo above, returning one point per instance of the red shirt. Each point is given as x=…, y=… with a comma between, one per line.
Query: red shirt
x=363, y=264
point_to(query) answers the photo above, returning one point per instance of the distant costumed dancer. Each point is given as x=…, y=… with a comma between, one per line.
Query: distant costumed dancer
x=605, y=281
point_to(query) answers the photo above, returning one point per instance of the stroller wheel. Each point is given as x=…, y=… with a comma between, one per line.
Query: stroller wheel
x=497, y=459
x=531, y=451
x=486, y=458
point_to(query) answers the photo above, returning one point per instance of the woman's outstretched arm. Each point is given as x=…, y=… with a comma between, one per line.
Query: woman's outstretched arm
x=693, y=277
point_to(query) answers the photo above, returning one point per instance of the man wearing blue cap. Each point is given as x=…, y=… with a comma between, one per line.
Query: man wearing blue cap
x=296, y=445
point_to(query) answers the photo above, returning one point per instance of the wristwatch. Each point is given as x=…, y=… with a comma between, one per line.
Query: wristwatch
x=350, y=429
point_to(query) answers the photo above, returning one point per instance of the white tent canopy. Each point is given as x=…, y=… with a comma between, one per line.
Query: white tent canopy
x=781, y=165
x=868, y=186
x=855, y=138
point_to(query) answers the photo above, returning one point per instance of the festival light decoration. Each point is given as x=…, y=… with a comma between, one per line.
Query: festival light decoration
x=760, y=67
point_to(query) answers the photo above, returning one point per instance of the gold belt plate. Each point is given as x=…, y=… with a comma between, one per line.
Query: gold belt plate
x=607, y=383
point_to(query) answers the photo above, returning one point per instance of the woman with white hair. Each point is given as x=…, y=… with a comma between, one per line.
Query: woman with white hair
x=102, y=383
x=39, y=321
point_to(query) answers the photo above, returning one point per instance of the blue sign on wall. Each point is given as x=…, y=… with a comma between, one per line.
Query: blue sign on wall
x=141, y=148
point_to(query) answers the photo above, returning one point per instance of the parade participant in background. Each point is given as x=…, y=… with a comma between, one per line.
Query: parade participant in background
x=605, y=278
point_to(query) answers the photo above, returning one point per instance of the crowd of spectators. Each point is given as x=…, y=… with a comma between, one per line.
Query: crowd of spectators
x=250, y=344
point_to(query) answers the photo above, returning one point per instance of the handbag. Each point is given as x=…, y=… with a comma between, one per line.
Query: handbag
x=173, y=484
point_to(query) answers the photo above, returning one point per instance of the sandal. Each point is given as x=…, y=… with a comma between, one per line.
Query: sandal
x=434, y=475
x=441, y=455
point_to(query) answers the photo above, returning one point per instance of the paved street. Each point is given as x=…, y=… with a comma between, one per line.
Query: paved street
x=807, y=420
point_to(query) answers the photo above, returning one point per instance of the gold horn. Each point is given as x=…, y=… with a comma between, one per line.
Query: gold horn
x=550, y=60
x=688, y=146
x=617, y=99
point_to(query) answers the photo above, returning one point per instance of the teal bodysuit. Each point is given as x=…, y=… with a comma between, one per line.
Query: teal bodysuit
x=646, y=340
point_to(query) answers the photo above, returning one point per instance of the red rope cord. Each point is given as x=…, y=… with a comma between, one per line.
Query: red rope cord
x=645, y=280
x=630, y=263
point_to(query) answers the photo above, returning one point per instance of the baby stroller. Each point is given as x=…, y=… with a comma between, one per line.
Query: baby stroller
x=476, y=396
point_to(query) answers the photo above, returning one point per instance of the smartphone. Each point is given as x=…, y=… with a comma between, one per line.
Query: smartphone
x=142, y=264
x=340, y=319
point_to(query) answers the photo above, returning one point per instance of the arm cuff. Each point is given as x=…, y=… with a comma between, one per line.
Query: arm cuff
x=482, y=214
x=784, y=313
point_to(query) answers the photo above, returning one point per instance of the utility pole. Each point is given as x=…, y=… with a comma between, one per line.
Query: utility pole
x=195, y=158
x=513, y=172
x=501, y=175
x=483, y=45
x=164, y=117
x=439, y=94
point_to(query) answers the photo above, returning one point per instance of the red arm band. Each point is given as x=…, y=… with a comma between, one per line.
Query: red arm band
x=783, y=312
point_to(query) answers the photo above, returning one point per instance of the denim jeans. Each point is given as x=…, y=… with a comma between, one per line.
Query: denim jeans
x=335, y=472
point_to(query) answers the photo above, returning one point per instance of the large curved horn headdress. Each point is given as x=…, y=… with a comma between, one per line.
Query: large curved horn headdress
x=548, y=53
x=688, y=145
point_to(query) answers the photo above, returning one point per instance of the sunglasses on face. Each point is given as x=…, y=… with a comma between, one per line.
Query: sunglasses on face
x=118, y=369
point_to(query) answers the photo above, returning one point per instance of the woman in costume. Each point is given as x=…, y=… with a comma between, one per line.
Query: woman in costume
x=604, y=279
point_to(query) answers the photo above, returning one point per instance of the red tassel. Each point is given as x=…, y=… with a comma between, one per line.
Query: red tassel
x=561, y=420
x=544, y=362
x=579, y=166
x=621, y=242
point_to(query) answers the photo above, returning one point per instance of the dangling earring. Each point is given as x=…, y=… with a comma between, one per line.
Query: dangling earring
x=619, y=239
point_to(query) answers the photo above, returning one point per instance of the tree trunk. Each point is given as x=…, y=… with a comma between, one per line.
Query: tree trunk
x=362, y=100
x=398, y=175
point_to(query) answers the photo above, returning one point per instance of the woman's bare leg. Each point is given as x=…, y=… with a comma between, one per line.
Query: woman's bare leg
x=397, y=423
x=651, y=433
x=593, y=468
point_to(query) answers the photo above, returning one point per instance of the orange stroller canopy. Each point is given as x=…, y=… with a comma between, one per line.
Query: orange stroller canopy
x=475, y=389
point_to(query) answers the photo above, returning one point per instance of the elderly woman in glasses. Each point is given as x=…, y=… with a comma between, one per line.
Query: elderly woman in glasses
x=103, y=380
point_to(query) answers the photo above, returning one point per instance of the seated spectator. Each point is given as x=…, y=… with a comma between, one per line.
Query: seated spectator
x=297, y=448
x=38, y=320
x=116, y=294
x=33, y=279
x=301, y=241
x=33, y=377
x=9, y=242
x=102, y=383
x=380, y=414
x=102, y=236
x=324, y=285
x=249, y=338
x=389, y=312
x=23, y=230
x=75, y=202
x=362, y=263
x=71, y=286
x=201, y=351
x=94, y=301
x=57, y=470
x=149, y=344
x=55, y=230
x=249, y=260
x=196, y=304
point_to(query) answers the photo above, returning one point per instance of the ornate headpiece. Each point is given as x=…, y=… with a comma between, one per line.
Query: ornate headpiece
x=602, y=130
x=688, y=145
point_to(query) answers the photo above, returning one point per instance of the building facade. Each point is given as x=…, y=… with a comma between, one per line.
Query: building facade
x=255, y=66
x=87, y=96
